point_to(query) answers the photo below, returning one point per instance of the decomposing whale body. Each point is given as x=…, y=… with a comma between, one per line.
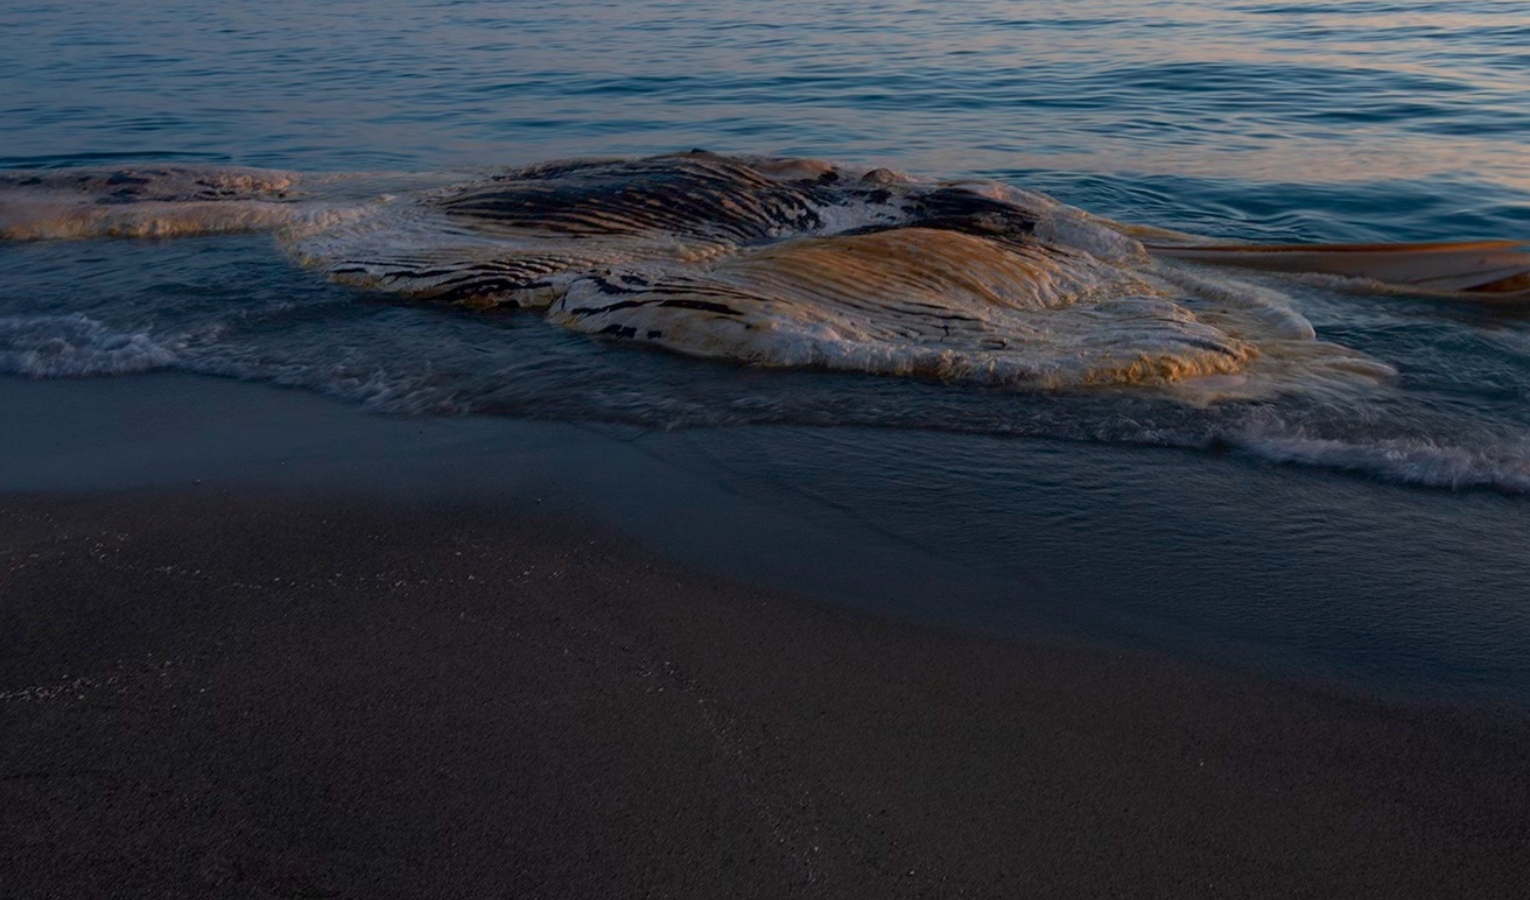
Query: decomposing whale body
x=785, y=262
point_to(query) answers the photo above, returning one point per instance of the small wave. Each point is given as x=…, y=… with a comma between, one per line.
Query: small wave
x=371, y=384
x=1418, y=461
x=76, y=345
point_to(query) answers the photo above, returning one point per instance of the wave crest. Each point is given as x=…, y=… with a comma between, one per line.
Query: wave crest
x=74, y=345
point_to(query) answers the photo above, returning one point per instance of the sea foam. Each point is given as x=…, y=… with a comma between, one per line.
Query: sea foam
x=73, y=345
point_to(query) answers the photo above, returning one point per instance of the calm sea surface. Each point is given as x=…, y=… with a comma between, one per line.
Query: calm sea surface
x=1264, y=121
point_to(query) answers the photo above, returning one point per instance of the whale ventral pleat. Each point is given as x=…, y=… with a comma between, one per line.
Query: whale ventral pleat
x=690, y=195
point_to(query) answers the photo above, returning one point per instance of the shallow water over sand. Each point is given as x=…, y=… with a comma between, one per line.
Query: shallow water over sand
x=1289, y=571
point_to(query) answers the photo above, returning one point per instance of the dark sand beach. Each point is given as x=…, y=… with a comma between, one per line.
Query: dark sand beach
x=219, y=678
x=229, y=693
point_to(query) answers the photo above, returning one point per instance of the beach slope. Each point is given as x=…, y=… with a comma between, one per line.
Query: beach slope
x=223, y=692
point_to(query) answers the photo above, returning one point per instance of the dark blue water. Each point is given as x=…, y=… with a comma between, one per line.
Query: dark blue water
x=1283, y=121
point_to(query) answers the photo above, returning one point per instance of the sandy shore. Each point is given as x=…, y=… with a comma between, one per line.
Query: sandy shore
x=210, y=692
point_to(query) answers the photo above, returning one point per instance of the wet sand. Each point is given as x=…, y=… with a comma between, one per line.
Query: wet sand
x=212, y=691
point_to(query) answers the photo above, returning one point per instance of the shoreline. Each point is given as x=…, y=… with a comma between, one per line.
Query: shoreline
x=1400, y=592
x=215, y=691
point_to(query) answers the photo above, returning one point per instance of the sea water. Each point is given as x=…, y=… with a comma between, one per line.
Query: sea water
x=1261, y=121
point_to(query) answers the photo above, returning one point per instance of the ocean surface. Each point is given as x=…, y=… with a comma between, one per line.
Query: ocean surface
x=1244, y=121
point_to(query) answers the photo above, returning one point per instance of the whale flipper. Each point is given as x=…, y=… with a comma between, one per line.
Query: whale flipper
x=1489, y=268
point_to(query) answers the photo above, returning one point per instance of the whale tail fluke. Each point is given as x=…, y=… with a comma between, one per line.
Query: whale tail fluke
x=1480, y=269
